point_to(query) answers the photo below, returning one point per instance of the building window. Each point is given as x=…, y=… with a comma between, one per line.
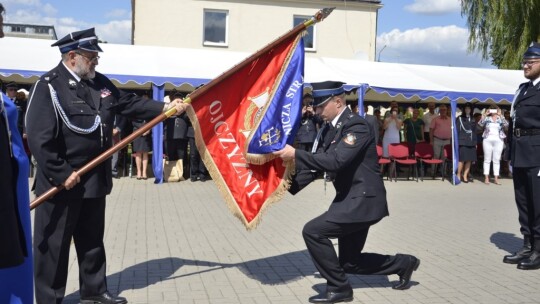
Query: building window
x=42, y=30
x=215, y=27
x=18, y=29
x=309, y=38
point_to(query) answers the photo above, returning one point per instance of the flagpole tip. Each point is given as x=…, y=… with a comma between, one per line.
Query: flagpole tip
x=322, y=14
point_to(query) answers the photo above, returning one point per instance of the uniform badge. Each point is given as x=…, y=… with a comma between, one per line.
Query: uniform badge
x=72, y=83
x=350, y=139
x=105, y=92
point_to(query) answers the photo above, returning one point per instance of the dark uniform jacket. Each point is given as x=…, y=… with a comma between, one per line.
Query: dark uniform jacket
x=525, y=150
x=58, y=150
x=372, y=121
x=308, y=129
x=177, y=127
x=466, y=131
x=349, y=153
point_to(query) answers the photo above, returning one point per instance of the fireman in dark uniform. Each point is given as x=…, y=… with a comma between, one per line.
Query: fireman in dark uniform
x=524, y=154
x=69, y=120
x=349, y=155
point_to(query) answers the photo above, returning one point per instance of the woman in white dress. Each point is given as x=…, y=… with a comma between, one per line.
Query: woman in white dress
x=392, y=124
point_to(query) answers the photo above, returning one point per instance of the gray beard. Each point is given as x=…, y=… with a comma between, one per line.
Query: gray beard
x=82, y=70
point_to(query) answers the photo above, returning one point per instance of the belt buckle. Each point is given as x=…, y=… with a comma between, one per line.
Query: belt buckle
x=517, y=132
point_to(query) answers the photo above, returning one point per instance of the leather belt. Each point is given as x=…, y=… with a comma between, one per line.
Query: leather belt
x=441, y=138
x=526, y=132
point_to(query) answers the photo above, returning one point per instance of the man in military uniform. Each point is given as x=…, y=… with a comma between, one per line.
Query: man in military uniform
x=69, y=121
x=524, y=154
x=349, y=155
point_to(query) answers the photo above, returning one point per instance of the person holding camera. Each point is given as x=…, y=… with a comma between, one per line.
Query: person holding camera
x=494, y=126
x=391, y=125
x=305, y=137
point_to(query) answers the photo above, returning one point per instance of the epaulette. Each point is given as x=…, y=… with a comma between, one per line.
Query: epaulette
x=50, y=77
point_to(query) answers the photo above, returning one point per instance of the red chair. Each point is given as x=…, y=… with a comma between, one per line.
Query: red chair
x=383, y=160
x=399, y=154
x=448, y=157
x=424, y=154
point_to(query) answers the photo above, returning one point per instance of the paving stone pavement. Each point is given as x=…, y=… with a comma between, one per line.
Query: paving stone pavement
x=178, y=243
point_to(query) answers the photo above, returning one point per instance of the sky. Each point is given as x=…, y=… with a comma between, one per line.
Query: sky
x=431, y=32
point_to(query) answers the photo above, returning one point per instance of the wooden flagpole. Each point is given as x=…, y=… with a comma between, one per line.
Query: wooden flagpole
x=318, y=17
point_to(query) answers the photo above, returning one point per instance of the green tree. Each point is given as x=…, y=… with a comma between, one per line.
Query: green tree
x=502, y=29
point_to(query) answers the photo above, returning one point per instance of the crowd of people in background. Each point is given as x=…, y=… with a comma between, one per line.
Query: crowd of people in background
x=178, y=140
x=481, y=136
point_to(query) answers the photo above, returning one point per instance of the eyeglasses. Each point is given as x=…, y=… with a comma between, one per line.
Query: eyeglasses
x=90, y=59
x=529, y=63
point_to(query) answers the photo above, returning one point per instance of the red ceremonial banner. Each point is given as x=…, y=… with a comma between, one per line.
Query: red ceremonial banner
x=225, y=117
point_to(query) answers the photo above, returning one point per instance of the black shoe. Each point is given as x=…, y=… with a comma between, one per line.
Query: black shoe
x=193, y=179
x=104, y=298
x=521, y=255
x=333, y=297
x=530, y=263
x=202, y=178
x=405, y=277
x=518, y=256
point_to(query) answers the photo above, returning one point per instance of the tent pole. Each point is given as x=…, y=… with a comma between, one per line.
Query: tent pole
x=455, y=147
x=158, y=93
x=361, y=92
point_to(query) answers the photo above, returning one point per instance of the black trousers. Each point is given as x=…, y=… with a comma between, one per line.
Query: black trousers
x=527, y=194
x=351, y=237
x=176, y=148
x=55, y=224
x=196, y=165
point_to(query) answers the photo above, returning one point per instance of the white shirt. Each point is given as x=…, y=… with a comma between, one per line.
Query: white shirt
x=427, y=118
x=72, y=73
x=336, y=119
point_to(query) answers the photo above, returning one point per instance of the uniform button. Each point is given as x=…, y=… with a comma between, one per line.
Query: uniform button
x=81, y=111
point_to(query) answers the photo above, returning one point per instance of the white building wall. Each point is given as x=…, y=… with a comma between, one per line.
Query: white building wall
x=349, y=32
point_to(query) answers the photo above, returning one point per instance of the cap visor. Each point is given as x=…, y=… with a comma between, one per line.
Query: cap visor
x=91, y=48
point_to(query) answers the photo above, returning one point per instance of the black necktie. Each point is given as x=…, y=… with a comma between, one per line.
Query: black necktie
x=329, y=135
x=87, y=94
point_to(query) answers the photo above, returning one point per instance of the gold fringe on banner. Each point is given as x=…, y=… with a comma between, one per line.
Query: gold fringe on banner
x=222, y=185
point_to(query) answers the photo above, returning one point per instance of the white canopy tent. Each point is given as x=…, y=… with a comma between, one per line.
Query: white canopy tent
x=24, y=60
